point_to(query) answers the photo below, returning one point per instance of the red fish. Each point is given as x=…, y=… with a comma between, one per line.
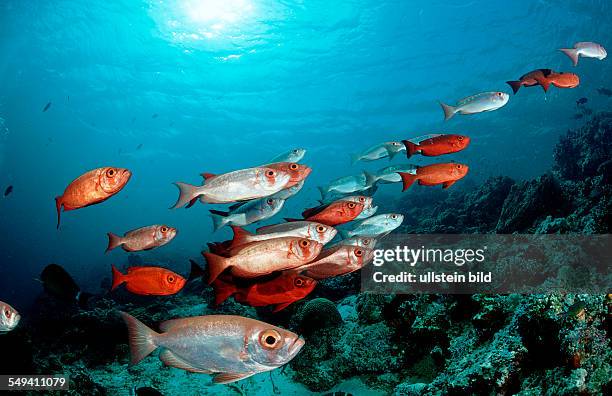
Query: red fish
x=434, y=145
x=149, y=281
x=336, y=213
x=281, y=291
x=545, y=77
x=431, y=175
x=91, y=188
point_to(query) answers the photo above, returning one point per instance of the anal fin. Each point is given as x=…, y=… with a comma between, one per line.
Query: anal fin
x=170, y=359
x=226, y=378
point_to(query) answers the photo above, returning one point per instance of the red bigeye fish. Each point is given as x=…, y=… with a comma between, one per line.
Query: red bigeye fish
x=434, y=145
x=229, y=347
x=361, y=199
x=144, y=238
x=336, y=261
x=264, y=257
x=431, y=175
x=149, y=281
x=336, y=213
x=544, y=78
x=281, y=291
x=91, y=188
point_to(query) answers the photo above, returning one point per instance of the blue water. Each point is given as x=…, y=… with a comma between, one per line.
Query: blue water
x=220, y=85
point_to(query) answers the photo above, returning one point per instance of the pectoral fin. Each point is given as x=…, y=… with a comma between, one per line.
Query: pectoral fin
x=447, y=184
x=170, y=359
x=226, y=378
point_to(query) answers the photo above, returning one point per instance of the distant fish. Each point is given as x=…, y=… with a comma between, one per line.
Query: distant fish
x=377, y=226
x=59, y=284
x=8, y=190
x=9, y=317
x=390, y=174
x=585, y=49
x=544, y=78
x=485, y=101
x=229, y=347
x=348, y=184
x=431, y=175
x=280, y=291
x=139, y=146
x=148, y=281
x=378, y=151
x=47, y=106
x=91, y=188
x=154, y=115
x=604, y=91
x=581, y=101
x=144, y=238
x=294, y=155
x=249, y=213
x=436, y=144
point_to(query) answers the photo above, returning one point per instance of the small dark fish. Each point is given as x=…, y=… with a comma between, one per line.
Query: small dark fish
x=604, y=91
x=139, y=146
x=8, y=190
x=59, y=284
x=581, y=101
x=578, y=116
x=154, y=115
x=147, y=391
x=47, y=107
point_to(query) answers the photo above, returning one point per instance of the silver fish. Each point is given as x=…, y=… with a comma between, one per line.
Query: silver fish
x=348, y=184
x=586, y=49
x=9, y=317
x=367, y=212
x=294, y=155
x=229, y=347
x=389, y=174
x=485, y=101
x=249, y=213
x=382, y=150
x=289, y=192
x=377, y=226
x=363, y=241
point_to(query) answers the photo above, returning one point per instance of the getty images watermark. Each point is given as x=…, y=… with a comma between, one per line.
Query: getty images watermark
x=452, y=264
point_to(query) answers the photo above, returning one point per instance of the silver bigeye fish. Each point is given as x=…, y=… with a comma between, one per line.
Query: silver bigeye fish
x=9, y=317
x=144, y=238
x=377, y=226
x=289, y=192
x=348, y=184
x=336, y=261
x=249, y=213
x=363, y=241
x=294, y=155
x=299, y=229
x=389, y=174
x=485, y=101
x=382, y=150
x=586, y=49
x=229, y=347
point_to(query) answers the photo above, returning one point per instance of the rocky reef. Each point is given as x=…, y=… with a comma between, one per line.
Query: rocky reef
x=554, y=344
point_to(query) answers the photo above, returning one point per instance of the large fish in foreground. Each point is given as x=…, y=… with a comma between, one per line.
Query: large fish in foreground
x=144, y=238
x=91, y=188
x=485, y=101
x=435, y=144
x=545, y=77
x=336, y=261
x=281, y=291
x=586, y=49
x=382, y=150
x=377, y=226
x=299, y=229
x=431, y=175
x=9, y=317
x=242, y=185
x=229, y=347
x=264, y=257
x=249, y=213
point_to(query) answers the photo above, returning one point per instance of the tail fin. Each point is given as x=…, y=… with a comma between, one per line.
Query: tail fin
x=195, y=272
x=113, y=241
x=449, y=111
x=355, y=158
x=223, y=290
x=370, y=179
x=515, y=85
x=240, y=236
x=216, y=265
x=141, y=338
x=187, y=192
x=219, y=218
x=411, y=148
x=344, y=234
x=572, y=53
x=118, y=278
x=58, y=206
x=407, y=179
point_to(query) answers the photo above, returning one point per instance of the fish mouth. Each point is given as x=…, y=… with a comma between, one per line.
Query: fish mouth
x=296, y=346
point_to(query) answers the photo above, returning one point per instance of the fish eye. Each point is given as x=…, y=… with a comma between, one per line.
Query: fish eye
x=351, y=205
x=460, y=138
x=270, y=201
x=164, y=229
x=7, y=313
x=270, y=339
x=304, y=243
x=293, y=166
x=358, y=252
x=111, y=172
x=366, y=242
x=270, y=173
x=298, y=282
x=499, y=94
x=361, y=199
x=459, y=166
x=171, y=279
x=295, y=151
x=394, y=216
x=321, y=229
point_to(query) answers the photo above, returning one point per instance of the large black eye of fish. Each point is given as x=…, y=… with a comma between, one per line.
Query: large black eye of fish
x=320, y=229
x=358, y=252
x=270, y=202
x=298, y=282
x=304, y=243
x=351, y=205
x=171, y=279
x=7, y=313
x=270, y=173
x=164, y=229
x=295, y=151
x=459, y=166
x=111, y=172
x=270, y=339
x=460, y=138
x=293, y=166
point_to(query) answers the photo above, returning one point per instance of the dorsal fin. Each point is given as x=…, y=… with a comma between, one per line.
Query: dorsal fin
x=208, y=176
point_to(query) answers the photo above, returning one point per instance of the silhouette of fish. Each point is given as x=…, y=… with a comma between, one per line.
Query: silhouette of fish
x=47, y=107
x=8, y=190
x=581, y=101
